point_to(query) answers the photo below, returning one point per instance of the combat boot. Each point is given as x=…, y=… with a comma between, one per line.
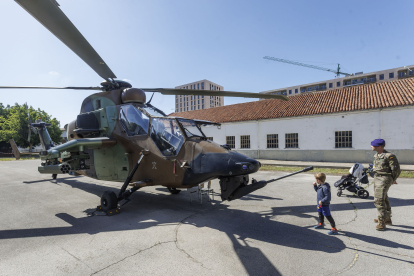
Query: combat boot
x=381, y=225
x=387, y=221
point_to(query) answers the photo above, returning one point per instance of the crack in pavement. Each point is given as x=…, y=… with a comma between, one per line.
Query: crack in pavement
x=176, y=236
x=159, y=243
x=355, y=212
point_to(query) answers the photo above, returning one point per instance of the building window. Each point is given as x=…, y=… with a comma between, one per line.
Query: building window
x=338, y=83
x=381, y=77
x=290, y=92
x=331, y=85
x=343, y=139
x=291, y=140
x=391, y=75
x=198, y=106
x=272, y=141
x=230, y=140
x=202, y=101
x=245, y=141
x=303, y=90
x=202, y=86
x=198, y=86
x=296, y=91
x=210, y=138
x=402, y=74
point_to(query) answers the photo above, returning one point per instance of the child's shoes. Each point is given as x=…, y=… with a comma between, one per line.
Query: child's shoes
x=333, y=231
x=319, y=226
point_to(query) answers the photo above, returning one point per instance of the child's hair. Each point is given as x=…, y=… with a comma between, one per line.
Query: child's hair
x=320, y=176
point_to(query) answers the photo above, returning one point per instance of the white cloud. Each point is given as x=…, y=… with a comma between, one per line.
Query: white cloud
x=53, y=73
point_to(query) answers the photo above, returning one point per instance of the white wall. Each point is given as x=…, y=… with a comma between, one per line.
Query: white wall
x=317, y=132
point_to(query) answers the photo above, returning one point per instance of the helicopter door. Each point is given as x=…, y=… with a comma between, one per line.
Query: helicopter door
x=166, y=135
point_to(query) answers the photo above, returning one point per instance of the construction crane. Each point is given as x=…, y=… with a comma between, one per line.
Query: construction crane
x=337, y=72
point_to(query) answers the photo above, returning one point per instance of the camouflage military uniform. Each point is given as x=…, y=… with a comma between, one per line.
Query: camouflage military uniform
x=387, y=170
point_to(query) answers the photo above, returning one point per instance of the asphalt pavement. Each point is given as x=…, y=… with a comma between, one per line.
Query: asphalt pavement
x=50, y=227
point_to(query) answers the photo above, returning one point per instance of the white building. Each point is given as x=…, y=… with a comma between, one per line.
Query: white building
x=332, y=126
x=355, y=79
x=197, y=102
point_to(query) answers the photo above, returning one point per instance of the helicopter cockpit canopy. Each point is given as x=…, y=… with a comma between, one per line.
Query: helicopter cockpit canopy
x=190, y=127
x=133, y=120
x=167, y=135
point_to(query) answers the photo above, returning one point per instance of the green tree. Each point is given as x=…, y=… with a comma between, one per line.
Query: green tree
x=14, y=123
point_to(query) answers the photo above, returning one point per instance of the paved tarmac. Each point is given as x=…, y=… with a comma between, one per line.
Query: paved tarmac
x=49, y=227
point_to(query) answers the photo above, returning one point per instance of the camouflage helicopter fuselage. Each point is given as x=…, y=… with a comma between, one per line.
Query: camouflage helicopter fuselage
x=100, y=145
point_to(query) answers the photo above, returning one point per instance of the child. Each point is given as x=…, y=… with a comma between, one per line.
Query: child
x=323, y=191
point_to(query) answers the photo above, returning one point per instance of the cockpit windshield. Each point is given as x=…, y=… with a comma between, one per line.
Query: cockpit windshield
x=167, y=135
x=133, y=121
x=190, y=128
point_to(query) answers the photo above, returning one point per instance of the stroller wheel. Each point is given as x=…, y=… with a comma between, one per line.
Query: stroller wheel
x=339, y=193
x=363, y=193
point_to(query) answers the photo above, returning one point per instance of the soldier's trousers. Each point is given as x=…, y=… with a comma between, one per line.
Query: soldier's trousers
x=382, y=183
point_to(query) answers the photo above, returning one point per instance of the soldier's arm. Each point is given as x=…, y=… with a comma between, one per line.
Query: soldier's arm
x=395, y=167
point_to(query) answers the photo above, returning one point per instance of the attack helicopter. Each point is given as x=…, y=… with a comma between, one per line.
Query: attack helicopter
x=119, y=136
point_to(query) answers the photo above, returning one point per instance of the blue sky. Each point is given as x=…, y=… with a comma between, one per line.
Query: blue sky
x=165, y=43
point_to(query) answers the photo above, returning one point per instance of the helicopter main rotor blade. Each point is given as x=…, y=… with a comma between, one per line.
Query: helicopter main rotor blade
x=170, y=91
x=42, y=87
x=48, y=13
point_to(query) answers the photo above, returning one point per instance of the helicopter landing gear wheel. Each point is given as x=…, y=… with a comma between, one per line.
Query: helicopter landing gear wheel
x=363, y=194
x=339, y=193
x=173, y=191
x=109, y=201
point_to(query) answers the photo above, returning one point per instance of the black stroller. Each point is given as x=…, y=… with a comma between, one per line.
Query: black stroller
x=350, y=181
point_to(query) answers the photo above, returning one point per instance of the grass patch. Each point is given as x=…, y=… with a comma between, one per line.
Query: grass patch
x=22, y=158
x=404, y=174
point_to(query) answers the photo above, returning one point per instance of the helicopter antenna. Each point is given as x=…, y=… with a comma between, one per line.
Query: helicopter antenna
x=151, y=98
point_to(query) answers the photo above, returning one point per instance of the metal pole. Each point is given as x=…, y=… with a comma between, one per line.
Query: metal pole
x=301, y=171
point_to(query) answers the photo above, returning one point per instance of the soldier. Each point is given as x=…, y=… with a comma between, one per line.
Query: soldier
x=386, y=170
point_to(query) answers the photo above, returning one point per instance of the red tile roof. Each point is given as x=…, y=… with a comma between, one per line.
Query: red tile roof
x=360, y=97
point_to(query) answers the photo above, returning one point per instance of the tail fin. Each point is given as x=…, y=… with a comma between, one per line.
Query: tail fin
x=44, y=136
x=16, y=151
x=40, y=127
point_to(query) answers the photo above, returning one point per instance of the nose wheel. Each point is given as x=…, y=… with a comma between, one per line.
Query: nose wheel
x=173, y=191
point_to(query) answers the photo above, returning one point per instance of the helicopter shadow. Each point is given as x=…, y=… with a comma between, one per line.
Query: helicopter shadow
x=146, y=207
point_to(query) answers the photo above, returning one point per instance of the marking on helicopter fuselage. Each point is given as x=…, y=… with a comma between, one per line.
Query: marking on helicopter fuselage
x=154, y=164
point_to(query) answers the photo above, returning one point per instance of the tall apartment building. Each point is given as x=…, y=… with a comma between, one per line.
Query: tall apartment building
x=196, y=102
x=355, y=79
